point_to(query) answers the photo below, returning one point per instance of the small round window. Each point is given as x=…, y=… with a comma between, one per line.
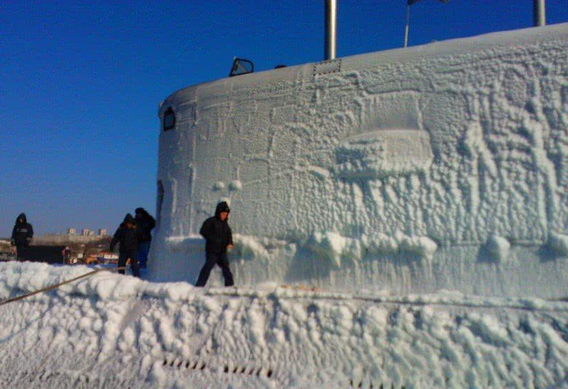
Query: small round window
x=169, y=119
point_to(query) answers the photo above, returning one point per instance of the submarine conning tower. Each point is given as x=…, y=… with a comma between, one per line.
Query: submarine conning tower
x=443, y=166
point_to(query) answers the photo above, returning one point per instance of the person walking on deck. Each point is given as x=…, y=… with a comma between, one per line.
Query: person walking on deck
x=145, y=223
x=219, y=239
x=126, y=236
x=22, y=234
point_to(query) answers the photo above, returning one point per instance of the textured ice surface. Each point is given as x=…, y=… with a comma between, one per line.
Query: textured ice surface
x=383, y=153
x=112, y=331
x=498, y=247
x=443, y=166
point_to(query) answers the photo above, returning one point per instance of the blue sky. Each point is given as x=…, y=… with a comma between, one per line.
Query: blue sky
x=80, y=82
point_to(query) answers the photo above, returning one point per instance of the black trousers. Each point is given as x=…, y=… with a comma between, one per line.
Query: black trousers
x=19, y=250
x=211, y=260
x=124, y=256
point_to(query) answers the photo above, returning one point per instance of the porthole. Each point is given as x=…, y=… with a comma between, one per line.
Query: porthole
x=169, y=119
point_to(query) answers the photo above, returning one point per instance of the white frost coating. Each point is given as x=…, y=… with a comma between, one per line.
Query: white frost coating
x=383, y=153
x=559, y=243
x=111, y=331
x=390, y=173
x=499, y=248
x=235, y=185
x=422, y=245
x=333, y=246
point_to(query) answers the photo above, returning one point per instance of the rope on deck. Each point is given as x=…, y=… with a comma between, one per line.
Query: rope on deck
x=55, y=286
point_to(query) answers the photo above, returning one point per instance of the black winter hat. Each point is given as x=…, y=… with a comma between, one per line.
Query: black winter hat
x=140, y=210
x=129, y=219
x=222, y=207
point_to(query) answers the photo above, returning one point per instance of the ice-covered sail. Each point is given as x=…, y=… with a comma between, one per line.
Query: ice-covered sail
x=442, y=166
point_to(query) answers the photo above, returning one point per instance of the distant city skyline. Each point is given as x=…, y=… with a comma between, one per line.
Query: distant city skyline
x=80, y=83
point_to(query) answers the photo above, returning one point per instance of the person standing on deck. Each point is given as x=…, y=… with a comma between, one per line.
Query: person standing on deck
x=145, y=223
x=219, y=239
x=126, y=236
x=22, y=233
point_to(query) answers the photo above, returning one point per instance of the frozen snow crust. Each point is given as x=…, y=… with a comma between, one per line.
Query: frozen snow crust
x=112, y=331
x=439, y=166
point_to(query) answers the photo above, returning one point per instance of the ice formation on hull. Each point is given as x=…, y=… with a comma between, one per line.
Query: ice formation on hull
x=443, y=166
x=112, y=331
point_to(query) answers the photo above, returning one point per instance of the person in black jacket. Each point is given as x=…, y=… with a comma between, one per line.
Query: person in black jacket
x=126, y=236
x=145, y=223
x=22, y=233
x=219, y=238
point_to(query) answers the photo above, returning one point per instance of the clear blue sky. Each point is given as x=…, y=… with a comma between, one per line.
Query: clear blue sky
x=80, y=82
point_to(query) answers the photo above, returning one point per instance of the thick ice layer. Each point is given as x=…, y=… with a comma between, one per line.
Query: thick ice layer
x=439, y=166
x=111, y=331
x=402, y=264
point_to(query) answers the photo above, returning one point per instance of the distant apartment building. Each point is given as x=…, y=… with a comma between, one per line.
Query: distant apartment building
x=87, y=232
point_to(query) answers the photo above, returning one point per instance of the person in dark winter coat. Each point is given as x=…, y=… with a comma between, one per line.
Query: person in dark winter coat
x=22, y=233
x=219, y=239
x=145, y=223
x=126, y=236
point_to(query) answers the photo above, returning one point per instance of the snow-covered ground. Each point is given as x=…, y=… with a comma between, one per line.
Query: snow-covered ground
x=112, y=331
